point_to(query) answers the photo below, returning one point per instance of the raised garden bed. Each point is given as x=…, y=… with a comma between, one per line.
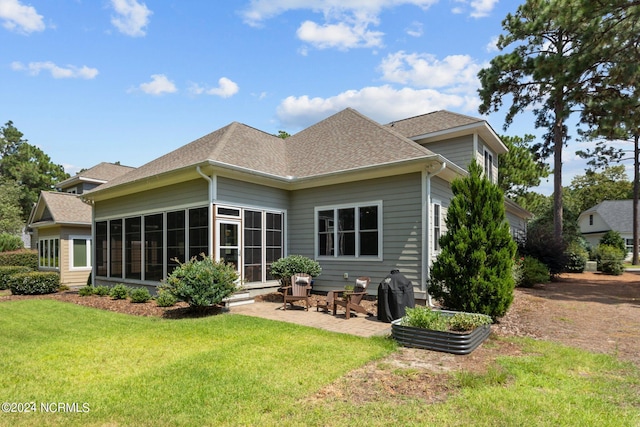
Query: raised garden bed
x=444, y=341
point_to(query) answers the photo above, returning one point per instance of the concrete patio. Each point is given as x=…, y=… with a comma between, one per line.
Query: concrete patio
x=361, y=325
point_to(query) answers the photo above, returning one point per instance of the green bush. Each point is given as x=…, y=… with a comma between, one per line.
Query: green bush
x=474, y=270
x=86, y=291
x=139, y=295
x=165, y=299
x=10, y=242
x=24, y=257
x=7, y=271
x=286, y=267
x=534, y=272
x=462, y=322
x=34, y=283
x=101, y=291
x=202, y=283
x=613, y=238
x=576, y=256
x=609, y=259
x=119, y=291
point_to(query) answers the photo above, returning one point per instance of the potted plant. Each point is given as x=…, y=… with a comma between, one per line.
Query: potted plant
x=441, y=330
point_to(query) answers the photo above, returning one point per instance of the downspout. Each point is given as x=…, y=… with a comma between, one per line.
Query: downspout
x=212, y=197
x=426, y=215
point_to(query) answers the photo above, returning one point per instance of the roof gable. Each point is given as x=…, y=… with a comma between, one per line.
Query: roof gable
x=617, y=214
x=98, y=174
x=55, y=207
x=345, y=141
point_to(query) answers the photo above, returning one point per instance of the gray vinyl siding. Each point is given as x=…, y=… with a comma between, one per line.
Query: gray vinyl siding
x=457, y=150
x=401, y=210
x=247, y=194
x=184, y=194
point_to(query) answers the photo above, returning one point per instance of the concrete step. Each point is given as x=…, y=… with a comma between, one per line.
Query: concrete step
x=239, y=298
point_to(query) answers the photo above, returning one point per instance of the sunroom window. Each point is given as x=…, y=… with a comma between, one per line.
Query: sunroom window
x=352, y=231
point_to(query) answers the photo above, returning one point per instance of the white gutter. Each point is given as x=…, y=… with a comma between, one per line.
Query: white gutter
x=213, y=189
x=426, y=214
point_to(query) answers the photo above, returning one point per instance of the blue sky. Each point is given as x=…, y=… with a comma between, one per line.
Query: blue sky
x=127, y=80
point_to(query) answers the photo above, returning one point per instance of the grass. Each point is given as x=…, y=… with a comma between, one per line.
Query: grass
x=237, y=370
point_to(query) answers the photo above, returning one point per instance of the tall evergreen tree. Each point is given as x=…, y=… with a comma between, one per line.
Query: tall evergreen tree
x=473, y=271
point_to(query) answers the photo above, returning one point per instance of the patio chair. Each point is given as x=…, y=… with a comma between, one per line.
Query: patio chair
x=300, y=289
x=350, y=301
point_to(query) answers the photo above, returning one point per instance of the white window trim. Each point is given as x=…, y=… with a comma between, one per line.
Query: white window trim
x=336, y=256
x=88, y=249
x=488, y=155
x=52, y=243
x=436, y=249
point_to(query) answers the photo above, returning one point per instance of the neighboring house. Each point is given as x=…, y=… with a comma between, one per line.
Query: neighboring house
x=616, y=215
x=61, y=224
x=359, y=197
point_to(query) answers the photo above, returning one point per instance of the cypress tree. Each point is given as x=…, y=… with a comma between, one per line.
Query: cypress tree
x=473, y=272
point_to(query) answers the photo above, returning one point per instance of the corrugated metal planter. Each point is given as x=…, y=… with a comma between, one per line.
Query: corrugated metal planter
x=448, y=342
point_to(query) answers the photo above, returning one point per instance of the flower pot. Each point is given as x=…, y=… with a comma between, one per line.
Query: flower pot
x=448, y=342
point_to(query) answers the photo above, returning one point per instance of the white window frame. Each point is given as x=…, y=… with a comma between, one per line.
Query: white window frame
x=436, y=222
x=53, y=246
x=488, y=165
x=336, y=256
x=87, y=239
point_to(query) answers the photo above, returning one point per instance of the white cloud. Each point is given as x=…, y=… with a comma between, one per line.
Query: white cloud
x=226, y=88
x=340, y=35
x=57, y=72
x=132, y=17
x=381, y=103
x=346, y=23
x=158, y=85
x=492, y=46
x=425, y=70
x=18, y=17
x=482, y=8
x=415, y=29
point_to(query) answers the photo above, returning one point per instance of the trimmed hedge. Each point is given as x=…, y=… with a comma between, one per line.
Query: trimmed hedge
x=25, y=257
x=7, y=271
x=34, y=283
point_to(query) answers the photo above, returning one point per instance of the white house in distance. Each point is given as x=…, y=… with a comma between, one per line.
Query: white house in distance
x=359, y=197
x=616, y=215
x=60, y=224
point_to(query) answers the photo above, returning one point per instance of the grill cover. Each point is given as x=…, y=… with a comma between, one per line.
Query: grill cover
x=395, y=294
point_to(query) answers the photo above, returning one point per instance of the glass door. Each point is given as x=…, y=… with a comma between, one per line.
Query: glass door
x=228, y=244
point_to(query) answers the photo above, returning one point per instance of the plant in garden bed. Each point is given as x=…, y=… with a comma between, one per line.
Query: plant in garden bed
x=139, y=295
x=426, y=318
x=119, y=291
x=202, y=282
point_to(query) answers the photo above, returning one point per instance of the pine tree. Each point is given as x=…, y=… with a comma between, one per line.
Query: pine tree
x=473, y=273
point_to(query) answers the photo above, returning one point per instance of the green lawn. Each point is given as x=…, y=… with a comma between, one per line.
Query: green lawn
x=237, y=370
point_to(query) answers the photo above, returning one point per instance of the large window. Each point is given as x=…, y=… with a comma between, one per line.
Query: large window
x=115, y=251
x=176, y=239
x=80, y=252
x=48, y=251
x=349, y=231
x=198, y=232
x=101, y=248
x=133, y=248
x=252, y=246
x=154, y=248
x=274, y=246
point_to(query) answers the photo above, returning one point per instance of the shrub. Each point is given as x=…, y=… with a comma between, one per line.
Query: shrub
x=473, y=272
x=34, y=283
x=165, y=299
x=609, y=259
x=7, y=271
x=424, y=317
x=119, y=291
x=101, y=291
x=86, y=291
x=10, y=242
x=542, y=245
x=613, y=238
x=286, y=267
x=139, y=295
x=467, y=321
x=24, y=257
x=533, y=272
x=576, y=256
x=201, y=283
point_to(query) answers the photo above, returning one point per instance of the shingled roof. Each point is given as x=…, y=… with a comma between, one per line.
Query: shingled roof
x=617, y=214
x=55, y=207
x=98, y=174
x=432, y=122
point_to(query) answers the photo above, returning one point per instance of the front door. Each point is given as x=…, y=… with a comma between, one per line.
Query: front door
x=228, y=243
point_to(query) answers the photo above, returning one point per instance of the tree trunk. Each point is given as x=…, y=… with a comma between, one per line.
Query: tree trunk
x=636, y=184
x=557, y=171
